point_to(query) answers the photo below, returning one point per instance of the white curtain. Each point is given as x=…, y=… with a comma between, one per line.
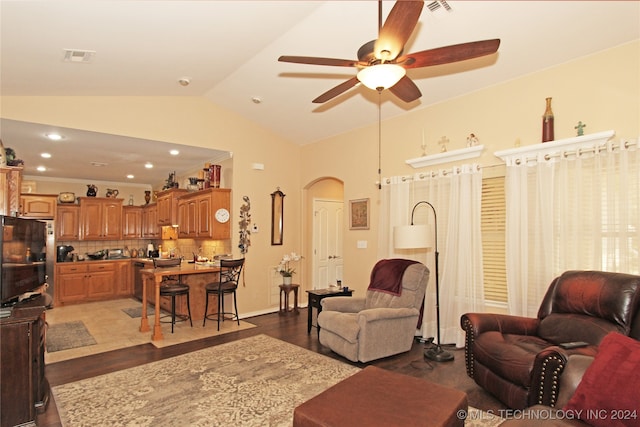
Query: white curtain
x=579, y=210
x=456, y=197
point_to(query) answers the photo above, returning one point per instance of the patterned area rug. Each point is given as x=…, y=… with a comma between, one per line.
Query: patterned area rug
x=256, y=381
x=65, y=336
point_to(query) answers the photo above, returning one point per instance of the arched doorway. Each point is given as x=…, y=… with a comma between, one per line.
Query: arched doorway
x=324, y=228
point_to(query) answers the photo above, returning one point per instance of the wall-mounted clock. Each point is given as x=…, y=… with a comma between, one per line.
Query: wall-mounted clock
x=222, y=215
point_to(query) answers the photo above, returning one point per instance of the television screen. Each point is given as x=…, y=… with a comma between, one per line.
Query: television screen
x=23, y=248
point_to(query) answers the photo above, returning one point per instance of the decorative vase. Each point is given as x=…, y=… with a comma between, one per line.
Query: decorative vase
x=92, y=190
x=547, y=123
x=286, y=280
x=147, y=196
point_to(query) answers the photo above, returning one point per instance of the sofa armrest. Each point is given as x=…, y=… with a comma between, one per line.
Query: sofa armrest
x=478, y=323
x=549, y=370
x=475, y=324
x=343, y=304
x=383, y=313
x=577, y=365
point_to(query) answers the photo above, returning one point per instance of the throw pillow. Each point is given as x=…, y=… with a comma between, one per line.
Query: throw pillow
x=608, y=394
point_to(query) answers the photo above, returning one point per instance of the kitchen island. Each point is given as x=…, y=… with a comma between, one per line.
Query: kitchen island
x=194, y=275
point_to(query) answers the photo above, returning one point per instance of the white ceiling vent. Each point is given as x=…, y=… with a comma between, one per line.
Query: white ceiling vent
x=439, y=6
x=76, y=55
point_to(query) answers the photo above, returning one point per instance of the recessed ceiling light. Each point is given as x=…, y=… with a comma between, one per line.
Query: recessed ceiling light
x=45, y=155
x=148, y=165
x=41, y=168
x=184, y=81
x=256, y=100
x=130, y=176
x=98, y=164
x=53, y=136
x=174, y=152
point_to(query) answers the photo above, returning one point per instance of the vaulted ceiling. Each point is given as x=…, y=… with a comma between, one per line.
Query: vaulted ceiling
x=228, y=50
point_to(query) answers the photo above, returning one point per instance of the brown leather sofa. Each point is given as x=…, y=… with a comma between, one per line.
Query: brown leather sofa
x=520, y=361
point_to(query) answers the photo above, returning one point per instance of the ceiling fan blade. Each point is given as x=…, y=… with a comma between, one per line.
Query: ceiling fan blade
x=447, y=54
x=406, y=90
x=319, y=61
x=397, y=29
x=332, y=93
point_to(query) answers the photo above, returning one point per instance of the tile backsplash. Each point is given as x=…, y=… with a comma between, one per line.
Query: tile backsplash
x=181, y=248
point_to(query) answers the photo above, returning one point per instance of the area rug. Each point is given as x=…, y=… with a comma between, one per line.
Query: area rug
x=256, y=381
x=136, y=312
x=65, y=336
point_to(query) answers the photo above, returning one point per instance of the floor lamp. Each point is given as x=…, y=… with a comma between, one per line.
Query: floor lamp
x=420, y=237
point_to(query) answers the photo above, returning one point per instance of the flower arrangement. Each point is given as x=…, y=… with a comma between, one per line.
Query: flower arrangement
x=284, y=268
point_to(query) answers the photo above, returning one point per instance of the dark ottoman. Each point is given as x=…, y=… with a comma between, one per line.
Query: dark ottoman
x=376, y=397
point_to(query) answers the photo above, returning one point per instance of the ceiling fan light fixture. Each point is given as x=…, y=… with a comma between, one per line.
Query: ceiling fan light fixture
x=381, y=76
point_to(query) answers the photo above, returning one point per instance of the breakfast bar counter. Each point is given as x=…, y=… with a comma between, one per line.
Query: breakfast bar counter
x=194, y=275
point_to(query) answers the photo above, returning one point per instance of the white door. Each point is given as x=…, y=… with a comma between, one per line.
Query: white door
x=328, y=220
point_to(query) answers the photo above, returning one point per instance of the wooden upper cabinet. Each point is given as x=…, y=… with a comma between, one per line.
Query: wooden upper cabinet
x=38, y=206
x=10, y=184
x=100, y=218
x=68, y=222
x=150, y=227
x=196, y=214
x=167, y=202
x=131, y=222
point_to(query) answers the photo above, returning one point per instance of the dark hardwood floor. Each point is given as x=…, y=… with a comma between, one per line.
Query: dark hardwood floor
x=292, y=329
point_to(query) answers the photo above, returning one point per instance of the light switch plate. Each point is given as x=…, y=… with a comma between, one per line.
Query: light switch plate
x=362, y=244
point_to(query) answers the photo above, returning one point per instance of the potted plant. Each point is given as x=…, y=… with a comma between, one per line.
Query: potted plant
x=285, y=269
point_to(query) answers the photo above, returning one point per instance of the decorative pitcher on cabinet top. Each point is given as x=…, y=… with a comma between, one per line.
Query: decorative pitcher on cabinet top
x=92, y=190
x=112, y=193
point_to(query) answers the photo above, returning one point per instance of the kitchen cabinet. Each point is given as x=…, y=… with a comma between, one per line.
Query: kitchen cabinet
x=100, y=218
x=38, y=206
x=124, y=279
x=196, y=214
x=150, y=227
x=24, y=388
x=131, y=222
x=78, y=282
x=167, y=202
x=10, y=183
x=68, y=222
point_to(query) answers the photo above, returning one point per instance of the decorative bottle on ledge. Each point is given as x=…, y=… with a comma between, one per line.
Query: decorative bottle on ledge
x=547, y=123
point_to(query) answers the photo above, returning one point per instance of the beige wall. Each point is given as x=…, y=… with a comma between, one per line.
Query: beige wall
x=197, y=122
x=602, y=91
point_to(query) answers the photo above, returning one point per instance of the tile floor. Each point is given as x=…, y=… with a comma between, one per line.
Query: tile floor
x=112, y=328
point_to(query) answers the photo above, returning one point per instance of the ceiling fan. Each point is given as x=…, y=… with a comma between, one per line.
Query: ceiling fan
x=382, y=64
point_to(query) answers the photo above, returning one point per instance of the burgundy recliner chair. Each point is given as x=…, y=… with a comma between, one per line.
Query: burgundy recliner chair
x=519, y=359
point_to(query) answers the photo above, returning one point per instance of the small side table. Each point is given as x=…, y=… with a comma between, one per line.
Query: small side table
x=285, y=290
x=315, y=298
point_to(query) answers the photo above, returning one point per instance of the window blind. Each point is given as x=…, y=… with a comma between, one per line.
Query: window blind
x=493, y=217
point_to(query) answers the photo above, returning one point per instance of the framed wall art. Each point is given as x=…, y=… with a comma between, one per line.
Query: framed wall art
x=359, y=214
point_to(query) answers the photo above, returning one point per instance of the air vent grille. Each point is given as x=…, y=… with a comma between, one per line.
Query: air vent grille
x=79, y=56
x=439, y=5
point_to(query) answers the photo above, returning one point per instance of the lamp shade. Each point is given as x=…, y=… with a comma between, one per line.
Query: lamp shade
x=412, y=237
x=381, y=76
